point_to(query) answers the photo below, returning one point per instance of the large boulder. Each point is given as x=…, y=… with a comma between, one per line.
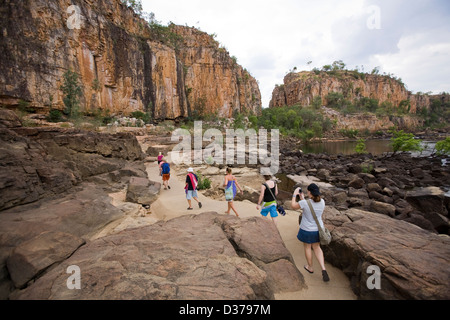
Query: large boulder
x=431, y=202
x=142, y=191
x=356, y=183
x=413, y=262
x=8, y=119
x=206, y=256
x=383, y=208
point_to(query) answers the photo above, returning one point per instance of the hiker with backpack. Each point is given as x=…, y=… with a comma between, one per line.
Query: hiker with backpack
x=164, y=171
x=191, y=188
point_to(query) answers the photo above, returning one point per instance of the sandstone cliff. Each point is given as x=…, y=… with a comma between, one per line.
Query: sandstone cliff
x=124, y=65
x=301, y=88
x=369, y=122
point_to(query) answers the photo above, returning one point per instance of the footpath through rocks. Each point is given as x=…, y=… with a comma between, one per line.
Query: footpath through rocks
x=90, y=221
x=172, y=203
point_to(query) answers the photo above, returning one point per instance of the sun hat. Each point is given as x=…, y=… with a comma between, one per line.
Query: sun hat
x=314, y=189
x=190, y=170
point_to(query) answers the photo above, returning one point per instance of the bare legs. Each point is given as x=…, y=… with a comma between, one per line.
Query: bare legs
x=196, y=199
x=318, y=253
x=231, y=207
x=274, y=221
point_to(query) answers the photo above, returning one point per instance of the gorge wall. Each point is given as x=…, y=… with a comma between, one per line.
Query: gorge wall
x=301, y=88
x=123, y=64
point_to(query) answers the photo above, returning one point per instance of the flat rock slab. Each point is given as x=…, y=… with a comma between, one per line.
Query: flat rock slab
x=206, y=256
x=82, y=214
x=35, y=255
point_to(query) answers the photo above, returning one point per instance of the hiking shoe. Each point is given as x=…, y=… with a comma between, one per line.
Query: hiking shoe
x=325, y=276
x=200, y=205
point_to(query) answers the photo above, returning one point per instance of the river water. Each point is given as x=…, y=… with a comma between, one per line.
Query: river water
x=375, y=147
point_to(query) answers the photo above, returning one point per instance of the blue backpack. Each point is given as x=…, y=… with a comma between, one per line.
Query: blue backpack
x=165, y=168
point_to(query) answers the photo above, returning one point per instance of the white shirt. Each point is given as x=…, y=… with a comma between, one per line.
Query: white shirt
x=308, y=223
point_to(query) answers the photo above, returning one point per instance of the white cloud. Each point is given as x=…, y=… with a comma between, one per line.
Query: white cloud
x=271, y=37
x=423, y=66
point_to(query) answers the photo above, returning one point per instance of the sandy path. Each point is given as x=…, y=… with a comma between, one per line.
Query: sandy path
x=172, y=203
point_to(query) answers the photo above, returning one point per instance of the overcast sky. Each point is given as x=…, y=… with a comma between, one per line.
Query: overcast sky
x=408, y=38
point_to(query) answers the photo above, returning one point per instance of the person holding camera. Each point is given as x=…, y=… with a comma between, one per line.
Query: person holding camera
x=309, y=231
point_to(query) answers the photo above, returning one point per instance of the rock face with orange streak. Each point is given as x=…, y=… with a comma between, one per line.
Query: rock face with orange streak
x=123, y=65
x=214, y=82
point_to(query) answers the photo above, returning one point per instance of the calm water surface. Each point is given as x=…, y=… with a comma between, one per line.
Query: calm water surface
x=375, y=147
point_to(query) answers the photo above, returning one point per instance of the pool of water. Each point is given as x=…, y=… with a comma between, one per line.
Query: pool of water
x=375, y=147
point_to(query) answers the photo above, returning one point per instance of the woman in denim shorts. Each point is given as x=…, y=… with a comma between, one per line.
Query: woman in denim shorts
x=309, y=231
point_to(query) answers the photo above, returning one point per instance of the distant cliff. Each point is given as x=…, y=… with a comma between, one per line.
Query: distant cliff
x=301, y=88
x=123, y=64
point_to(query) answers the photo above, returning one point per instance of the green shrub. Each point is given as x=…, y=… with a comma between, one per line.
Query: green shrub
x=361, y=147
x=203, y=182
x=317, y=102
x=335, y=100
x=349, y=133
x=165, y=35
x=238, y=120
x=405, y=142
x=144, y=116
x=54, y=116
x=367, y=167
x=253, y=121
x=297, y=121
x=443, y=147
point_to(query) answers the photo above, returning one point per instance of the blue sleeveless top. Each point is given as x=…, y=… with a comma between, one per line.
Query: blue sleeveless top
x=232, y=183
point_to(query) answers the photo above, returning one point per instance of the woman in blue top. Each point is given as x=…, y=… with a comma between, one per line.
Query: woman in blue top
x=309, y=231
x=230, y=185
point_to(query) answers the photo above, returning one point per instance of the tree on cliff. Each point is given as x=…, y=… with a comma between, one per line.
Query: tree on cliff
x=136, y=5
x=72, y=92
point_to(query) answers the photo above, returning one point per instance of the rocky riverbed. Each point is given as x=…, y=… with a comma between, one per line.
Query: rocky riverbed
x=406, y=188
x=72, y=197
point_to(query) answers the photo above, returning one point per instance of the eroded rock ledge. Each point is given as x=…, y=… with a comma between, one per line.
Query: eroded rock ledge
x=206, y=256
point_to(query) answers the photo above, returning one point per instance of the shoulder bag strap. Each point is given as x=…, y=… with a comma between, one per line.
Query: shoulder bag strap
x=314, y=214
x=270, y=192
